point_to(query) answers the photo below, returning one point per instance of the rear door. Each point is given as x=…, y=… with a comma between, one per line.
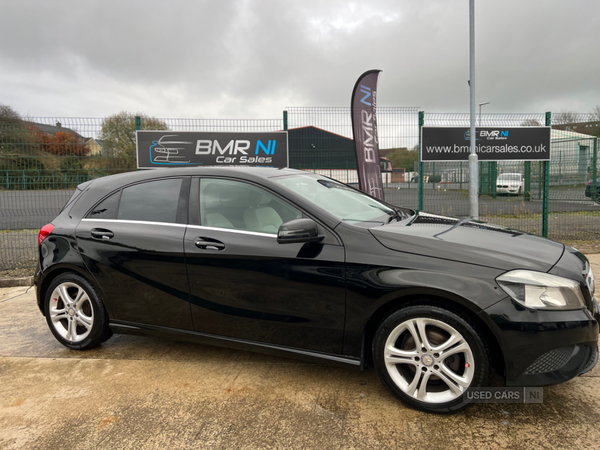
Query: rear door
x=132, y=242
x=245, y=285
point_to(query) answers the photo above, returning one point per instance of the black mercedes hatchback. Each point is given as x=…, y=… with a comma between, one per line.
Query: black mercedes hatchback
x=293, y=263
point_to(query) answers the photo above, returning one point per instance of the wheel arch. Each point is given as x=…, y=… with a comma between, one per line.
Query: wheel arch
x=51, y=274
x=434, y=299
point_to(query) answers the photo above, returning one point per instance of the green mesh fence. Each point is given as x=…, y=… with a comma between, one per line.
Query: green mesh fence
x=42, y=160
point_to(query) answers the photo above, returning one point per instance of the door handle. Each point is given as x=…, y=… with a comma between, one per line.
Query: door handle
x=101, y=233
x=208, y=244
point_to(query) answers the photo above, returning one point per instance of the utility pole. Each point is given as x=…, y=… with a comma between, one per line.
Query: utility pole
x=473, y=160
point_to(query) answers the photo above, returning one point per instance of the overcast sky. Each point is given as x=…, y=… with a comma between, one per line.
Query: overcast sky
x=253, y=58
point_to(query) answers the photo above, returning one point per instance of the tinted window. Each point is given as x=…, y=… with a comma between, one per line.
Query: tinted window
x=242, y=206
x=155, y=201
x=106, y=209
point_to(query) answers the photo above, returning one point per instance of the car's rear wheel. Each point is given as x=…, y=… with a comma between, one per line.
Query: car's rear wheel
x=428, y=357
x=75, y=313
x=520, y=191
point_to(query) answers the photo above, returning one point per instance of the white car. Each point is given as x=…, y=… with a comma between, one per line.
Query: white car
x=510, y=183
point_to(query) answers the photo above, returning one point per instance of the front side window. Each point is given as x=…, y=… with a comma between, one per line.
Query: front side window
x=242, y=206
x=155, y=201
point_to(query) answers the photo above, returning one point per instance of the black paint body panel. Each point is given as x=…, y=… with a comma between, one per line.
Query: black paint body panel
x=319, y=300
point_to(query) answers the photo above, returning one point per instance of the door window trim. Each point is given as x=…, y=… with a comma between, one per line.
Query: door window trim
x=141, y=222
x=233, y=230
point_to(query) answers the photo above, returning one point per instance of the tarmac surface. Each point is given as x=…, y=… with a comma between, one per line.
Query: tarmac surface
x=146, y=393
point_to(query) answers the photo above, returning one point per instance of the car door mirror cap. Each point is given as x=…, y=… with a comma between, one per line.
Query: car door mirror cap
x=299, y=230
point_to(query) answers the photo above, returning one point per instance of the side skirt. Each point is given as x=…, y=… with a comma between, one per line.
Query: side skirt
x=122, y=327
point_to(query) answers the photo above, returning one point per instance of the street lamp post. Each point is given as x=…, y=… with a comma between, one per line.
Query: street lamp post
x=480, y=105
x=473, y=160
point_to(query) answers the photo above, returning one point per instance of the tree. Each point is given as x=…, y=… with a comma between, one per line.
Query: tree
x=565, y=117
x=62, y=143
x=404, y=158
x=18, y=144
x=15, y=136
x=118, y=134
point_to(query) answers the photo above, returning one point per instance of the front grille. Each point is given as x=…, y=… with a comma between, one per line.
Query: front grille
x=551, y=361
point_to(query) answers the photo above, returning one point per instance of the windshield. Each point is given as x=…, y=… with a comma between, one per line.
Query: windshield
x=347, y=204
x=510, y=177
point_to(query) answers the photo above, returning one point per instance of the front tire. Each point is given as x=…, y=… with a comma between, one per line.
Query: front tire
x=428, y=357
x=75, y=313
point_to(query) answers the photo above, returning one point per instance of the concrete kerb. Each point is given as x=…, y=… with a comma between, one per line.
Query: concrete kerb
x=18, y=281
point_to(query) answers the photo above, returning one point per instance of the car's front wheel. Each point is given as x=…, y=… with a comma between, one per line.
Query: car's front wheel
x=428, y=357
x=75, y=313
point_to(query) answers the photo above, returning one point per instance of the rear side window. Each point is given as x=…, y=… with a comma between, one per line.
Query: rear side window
x=106, y=209
x=155, y=201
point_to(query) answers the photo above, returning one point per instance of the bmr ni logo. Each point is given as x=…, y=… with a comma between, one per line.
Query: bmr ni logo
x=166, y=151
x=229, y=153
x=367, y=91
x=494, y=135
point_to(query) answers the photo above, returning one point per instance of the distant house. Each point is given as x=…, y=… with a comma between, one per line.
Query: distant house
x=327, y=153
x=53, y=129
x=314, y=148
x=95, y=147
x=589, y=128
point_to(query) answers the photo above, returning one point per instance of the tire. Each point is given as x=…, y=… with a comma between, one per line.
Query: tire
x=520, y=191
x=75, y=313
x=452, y=359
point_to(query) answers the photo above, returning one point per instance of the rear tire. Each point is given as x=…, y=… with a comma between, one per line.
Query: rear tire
x=75, y=313
x=428, y=357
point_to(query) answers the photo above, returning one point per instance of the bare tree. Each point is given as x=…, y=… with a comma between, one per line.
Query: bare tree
x=596, y=114
x=565, y=117
x=531, y=123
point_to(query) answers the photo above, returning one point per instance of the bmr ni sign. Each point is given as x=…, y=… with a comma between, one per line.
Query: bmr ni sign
x=156, y=149
x=492, y=144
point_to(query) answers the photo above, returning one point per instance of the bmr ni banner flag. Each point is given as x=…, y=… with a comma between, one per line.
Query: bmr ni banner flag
x=364, y=126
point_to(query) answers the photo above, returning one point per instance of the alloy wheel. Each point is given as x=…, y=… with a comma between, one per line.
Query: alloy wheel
x=71, y=312
x=429, y=360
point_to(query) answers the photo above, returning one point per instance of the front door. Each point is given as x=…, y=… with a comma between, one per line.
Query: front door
x=245, y=285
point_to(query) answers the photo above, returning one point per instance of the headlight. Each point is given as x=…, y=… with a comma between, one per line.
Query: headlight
x=589, y=279
x=539, y=290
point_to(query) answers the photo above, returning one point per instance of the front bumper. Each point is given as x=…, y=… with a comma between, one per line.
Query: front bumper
x=541, y=348
x=502, y=190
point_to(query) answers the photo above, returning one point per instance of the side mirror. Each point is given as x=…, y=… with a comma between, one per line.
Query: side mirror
x=298, y=230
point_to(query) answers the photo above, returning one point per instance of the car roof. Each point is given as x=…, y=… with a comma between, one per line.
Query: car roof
x=248, y=173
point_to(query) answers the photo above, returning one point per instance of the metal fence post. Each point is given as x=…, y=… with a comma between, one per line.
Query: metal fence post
x=527, y=194
x=593, y=187
x=285, y=121
x=494, y=177
x=421, y=174
x=546, y=165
